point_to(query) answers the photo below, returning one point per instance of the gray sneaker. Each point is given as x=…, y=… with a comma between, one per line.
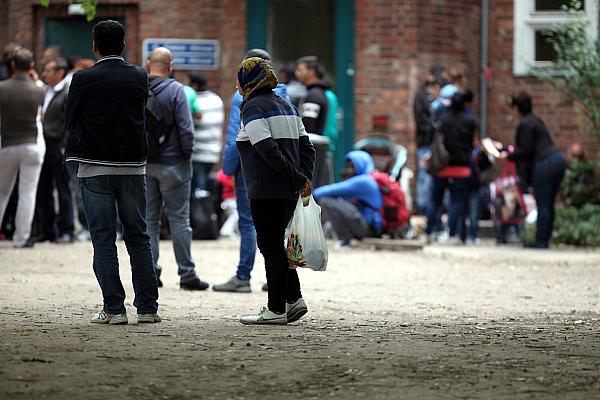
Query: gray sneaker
x=296, y=310
x=148, y=318
x=105, y=318
x=233, y=285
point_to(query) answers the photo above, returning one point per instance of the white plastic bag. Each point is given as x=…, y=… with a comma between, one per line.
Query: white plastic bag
x=306, y=245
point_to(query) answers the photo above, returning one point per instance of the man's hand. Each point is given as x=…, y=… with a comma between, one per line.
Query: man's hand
x=306, y=190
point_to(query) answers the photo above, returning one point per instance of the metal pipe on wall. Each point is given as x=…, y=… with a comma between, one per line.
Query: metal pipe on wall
x=483, y=109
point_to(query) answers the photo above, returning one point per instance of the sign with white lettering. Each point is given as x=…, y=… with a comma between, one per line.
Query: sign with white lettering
x=190, y=54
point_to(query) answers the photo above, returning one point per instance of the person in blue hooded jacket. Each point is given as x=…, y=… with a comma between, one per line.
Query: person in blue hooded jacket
x=240, y=282
x=353, y=206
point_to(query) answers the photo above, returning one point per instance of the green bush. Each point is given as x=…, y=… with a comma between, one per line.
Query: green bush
x=577, y=226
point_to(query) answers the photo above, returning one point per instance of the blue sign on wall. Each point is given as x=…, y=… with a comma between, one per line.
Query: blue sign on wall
x=188, y=54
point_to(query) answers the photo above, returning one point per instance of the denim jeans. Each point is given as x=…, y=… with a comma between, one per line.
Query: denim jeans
x=247, y=230
x=102, y=196
x=170, y=185
x=547, y=176
x=458, y=188
x=472, y=214
x=200, y=175
x=424, y=182
x=271, y=218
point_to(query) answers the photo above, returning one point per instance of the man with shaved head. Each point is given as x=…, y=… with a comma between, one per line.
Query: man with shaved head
x=169, y=172
x=105, y=114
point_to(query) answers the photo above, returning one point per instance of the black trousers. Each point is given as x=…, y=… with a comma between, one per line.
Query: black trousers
x=271, y=217
x=54, y=173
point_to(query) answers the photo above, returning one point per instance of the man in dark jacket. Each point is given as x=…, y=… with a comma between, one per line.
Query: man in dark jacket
x=54, y=172
x=169, y=172
x=314, y=106
x=105, y=116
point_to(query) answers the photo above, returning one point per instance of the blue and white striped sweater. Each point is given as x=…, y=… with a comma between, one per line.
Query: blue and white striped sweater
x=276, y=154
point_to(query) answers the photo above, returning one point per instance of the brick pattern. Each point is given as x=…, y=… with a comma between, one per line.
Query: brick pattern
x=561, y=119
x=396, y=42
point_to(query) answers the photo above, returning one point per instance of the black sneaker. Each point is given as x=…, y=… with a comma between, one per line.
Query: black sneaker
x=265, y=288
x=196, y=284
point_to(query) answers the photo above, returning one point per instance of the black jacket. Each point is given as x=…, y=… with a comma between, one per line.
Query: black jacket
x=459, y=132
x=313, y=108
x=55, y=132
x=105, y=114
x=421, y=114
x=533, y=143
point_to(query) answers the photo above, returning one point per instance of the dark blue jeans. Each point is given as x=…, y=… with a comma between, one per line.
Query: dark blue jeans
x=547, y=176
x=200, y=175
x=471, y=214
x=101, y=196
x=246, y=227
x=458, y=188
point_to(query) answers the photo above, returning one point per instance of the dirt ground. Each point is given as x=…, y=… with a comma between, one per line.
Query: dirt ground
x=443, y=323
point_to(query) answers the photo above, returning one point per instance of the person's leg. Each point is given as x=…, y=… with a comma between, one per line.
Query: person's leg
x=196, y=176
x=474, y=205
x=424, y=181
x=270, y=219
x=438, y=188
x=131, y=202
x=547, y=176
x=458, y=198
x=153, y=206
x=8, y=175
x=65, y=198
x=247, y=231
x=293, y=291
x=205, y=169
x=31, y=159
x=45, y=215
x=346, y=219
x=98, y=196
x=175, y=189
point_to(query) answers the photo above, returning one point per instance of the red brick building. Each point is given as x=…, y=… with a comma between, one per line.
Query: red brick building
x=377, y=51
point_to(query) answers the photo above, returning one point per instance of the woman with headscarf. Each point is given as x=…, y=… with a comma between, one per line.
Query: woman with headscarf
x=277, y=164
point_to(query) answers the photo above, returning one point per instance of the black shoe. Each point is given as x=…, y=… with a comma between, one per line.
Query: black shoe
x=536, y=245
x=43, y=238
x=27, y=245
x=265, y=288
x=158, y=281
x=196, y=284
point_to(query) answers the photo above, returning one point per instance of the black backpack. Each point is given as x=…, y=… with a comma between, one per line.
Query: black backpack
x=158, y=120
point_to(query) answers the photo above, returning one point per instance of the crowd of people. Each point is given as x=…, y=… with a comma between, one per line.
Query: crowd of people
x=445, y=123
x=127, y=149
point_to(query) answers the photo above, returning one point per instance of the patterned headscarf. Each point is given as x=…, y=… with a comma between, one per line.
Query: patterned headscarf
x=255, y=74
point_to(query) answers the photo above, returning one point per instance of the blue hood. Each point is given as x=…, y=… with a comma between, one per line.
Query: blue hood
x=362, y=161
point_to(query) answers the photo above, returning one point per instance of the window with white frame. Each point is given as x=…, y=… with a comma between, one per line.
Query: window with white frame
x=532, y=21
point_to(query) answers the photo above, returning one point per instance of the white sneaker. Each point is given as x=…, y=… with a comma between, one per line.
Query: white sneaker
x=148, y=318
x=296, y=310
x=264, y=317
x=113, y=319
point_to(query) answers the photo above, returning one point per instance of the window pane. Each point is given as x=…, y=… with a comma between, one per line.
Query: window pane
x=553, y=5
x=543, y=48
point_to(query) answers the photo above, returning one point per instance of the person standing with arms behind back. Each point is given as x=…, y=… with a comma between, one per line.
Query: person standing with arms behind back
x=277, y=161
x=20, y=101
x=105, y=117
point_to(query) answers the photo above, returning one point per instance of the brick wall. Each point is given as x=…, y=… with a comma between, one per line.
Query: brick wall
x=396, y=43
x=561, y=119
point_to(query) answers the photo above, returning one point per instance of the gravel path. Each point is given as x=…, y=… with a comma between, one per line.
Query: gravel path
x=443, y=323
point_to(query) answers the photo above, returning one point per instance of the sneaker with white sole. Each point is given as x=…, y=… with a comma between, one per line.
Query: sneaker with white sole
x=264, y=317
x=233, y=285
x=296, y=310
x=148, y=318
x=106, y=318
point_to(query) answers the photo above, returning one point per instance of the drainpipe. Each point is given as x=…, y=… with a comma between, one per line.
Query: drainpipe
x=483, y=112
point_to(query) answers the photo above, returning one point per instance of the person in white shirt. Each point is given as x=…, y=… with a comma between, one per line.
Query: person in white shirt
x=208, y=132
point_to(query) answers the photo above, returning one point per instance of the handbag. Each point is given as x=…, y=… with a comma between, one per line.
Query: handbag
x=306, y=245
x=439, y=157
